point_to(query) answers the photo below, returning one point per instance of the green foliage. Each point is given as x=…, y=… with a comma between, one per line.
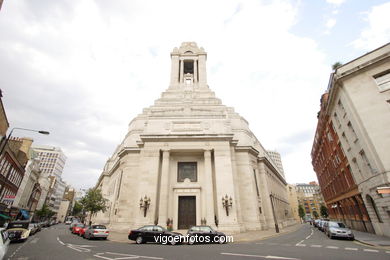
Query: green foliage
x=324, y=211
x=315, y=214
x=301, y=211
x=93, y=202
x=45, y=212
x=77, y=209
x=336, y=65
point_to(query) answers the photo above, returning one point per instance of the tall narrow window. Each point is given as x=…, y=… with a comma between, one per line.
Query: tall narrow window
x=350, y=127
x=257, y=187
x=187, y=170
x=383, y=80
x=366, y=161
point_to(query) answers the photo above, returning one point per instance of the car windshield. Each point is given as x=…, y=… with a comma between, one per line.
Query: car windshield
x=336, y=224
x=80, y=225
x=205, y=229
x=98, y=227
x=17, y=225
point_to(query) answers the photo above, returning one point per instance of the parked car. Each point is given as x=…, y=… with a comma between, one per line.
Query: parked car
x=337, y=229
x=18, y=230
x=316, y=222
x=150, y=233
x=33, y=228
x=76, y=228
x=96, y=231
x=322, y=225
x=205, y=234
x=4, y=242
x=68, y=222
x=75, y=222
x=82, y=231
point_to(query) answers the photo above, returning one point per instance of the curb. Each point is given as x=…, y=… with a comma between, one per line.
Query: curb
x=371, y=244
x=273, y=235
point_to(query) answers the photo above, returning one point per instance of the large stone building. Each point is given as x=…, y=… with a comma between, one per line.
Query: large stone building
x=52, y=163
x=191, y=160
x=353, y=140
x=309, y=198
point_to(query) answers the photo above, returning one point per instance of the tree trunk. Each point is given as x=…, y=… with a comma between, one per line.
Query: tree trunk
x=90, y=217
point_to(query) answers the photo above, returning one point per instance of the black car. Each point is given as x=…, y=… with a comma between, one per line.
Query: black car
x=205, y=234
x=156, y=234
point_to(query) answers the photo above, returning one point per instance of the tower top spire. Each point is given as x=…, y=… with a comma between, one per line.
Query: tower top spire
x=188, y=48
x=188, y=70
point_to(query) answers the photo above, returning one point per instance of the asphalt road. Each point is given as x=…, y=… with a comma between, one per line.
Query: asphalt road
x=58, y=243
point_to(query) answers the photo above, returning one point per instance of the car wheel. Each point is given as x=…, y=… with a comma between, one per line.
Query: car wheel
x=191, y=240
x=222, y=239
x=139, y=240
x=173, y=242
x=330, y=236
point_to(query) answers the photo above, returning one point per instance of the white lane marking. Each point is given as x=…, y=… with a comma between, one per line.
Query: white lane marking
x=300, y=245
x=261, y=256
x=351, y=248
x=124, y=256
x=333, y=247
x=297, y=244
x=370, y=250
x=316, y=246
x=79, y=248
x=388, y=252
x=62, y=243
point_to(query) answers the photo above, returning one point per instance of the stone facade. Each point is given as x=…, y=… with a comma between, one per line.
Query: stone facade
x=358, y=109
x=192, y=160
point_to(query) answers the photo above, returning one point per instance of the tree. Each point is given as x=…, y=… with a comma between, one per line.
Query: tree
x=77, y=209
x=336, y=65
x=301, y=211
x=44, y=212
x=324, y=211
x=315, y=214
x=93, y=202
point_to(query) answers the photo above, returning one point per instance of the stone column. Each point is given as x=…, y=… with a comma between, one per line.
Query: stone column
x=164, y=190
x=181, y=70
x=175, y=70
x=208, y=173
x=195, y=72
x=266, y=200
x=202, y=71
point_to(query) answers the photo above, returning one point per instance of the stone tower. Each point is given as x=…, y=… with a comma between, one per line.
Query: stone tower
x=192, y=160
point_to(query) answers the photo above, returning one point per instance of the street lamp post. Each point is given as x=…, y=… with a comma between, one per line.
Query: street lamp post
x=19, y=128
x=273, y=213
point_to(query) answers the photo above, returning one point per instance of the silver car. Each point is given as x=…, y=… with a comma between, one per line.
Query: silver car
x=338, y=229
x=96, y=231
x=4, y=242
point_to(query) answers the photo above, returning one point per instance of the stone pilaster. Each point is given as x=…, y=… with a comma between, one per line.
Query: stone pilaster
x=164, y=189
x=209, y=201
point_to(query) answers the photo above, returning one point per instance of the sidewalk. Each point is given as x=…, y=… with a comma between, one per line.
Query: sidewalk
x=241, y=237
x=371, y=239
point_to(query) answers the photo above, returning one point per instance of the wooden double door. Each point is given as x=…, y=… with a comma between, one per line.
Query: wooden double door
x=187, y=212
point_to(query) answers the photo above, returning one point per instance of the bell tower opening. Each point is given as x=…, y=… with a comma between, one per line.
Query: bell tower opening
x=188, y=66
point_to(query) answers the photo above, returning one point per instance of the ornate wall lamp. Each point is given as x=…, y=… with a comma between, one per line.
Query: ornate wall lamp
x=227, y=203
x=144, y=204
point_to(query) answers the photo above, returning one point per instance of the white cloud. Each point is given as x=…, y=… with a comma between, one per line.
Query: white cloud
x=377, y=32
x=335, y=2
x=330, y=23
x=91, y=68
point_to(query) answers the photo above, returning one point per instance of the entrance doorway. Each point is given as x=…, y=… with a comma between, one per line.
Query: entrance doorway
x=187, y=212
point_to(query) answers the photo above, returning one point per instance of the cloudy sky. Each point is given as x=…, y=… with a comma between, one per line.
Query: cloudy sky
x=83, y=69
